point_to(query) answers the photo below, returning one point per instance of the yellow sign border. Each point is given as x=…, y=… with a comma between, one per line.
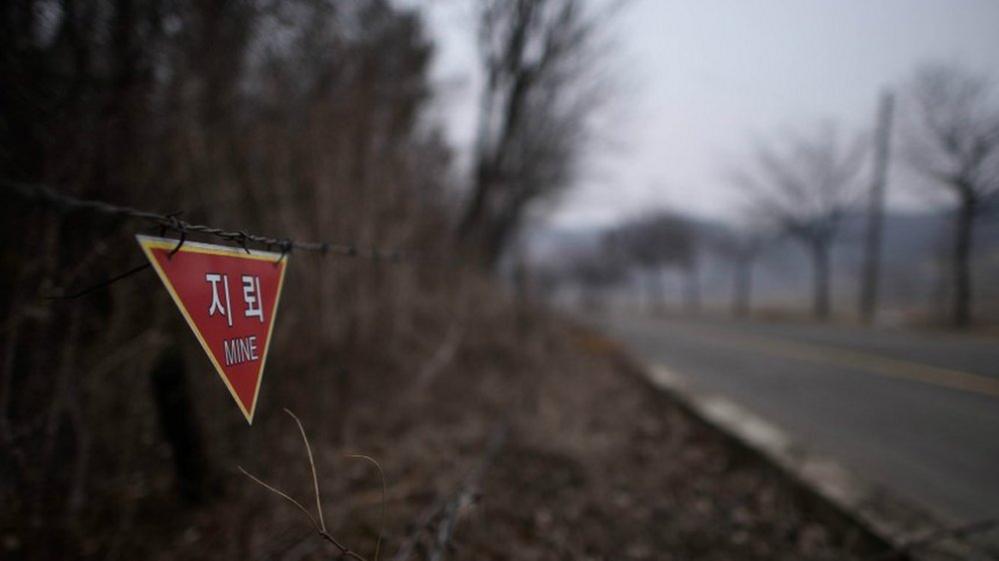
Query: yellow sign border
x=149, y=243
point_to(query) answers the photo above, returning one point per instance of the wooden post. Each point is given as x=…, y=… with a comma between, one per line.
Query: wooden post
x=875, y=213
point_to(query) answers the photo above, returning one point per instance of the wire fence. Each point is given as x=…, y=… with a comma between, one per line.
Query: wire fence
x=47, y=195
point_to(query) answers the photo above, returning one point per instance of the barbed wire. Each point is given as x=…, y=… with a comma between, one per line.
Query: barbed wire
x=45, y=194
x=438, y=524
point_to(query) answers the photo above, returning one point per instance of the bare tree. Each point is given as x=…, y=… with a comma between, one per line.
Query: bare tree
x=653, y=243
x=742, y=247
x=804, y=186
x=955, y=141
x=538, y=59
x=596, y=269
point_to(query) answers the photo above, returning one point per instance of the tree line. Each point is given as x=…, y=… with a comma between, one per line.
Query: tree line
x=802, y=185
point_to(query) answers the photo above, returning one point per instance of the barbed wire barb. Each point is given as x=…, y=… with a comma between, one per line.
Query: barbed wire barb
x=173, y=223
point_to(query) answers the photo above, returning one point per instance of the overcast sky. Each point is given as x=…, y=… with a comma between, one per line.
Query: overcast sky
x=699, y=80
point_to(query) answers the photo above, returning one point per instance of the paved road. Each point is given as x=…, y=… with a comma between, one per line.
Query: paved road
x=915, y=412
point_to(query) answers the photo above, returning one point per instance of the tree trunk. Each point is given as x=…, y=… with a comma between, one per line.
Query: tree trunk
x=743, y=288
x=475, y=210
x=656, y=291
x=821, y=272
x=961, y=312
x=692, y=290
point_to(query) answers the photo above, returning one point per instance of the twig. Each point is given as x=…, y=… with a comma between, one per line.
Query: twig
x=282, y=494
x=381, y=473
x=320, y=524
x=312, y=466
x=104, y=283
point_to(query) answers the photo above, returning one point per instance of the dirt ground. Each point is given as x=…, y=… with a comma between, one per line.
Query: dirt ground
x=581, y=460
x=543, y=445
x=615, y=469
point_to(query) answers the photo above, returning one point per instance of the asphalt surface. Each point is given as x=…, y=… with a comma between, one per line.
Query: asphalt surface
x=916, y=413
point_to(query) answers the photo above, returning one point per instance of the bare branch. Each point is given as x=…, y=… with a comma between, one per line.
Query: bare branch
x=282, y=494
x=381, y=474
x=319, y=525
x=806, y=183
x=312, y=467
x=956, y=137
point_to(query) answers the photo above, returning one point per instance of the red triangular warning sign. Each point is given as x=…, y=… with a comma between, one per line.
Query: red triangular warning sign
x=229, y=298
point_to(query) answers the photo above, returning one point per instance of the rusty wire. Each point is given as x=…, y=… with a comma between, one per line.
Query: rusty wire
x=47, y=195
x=440, y=521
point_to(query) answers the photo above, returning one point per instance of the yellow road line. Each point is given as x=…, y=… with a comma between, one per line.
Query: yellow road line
x=857, y=360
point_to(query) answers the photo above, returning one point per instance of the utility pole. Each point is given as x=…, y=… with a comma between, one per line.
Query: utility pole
x=875, y=210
